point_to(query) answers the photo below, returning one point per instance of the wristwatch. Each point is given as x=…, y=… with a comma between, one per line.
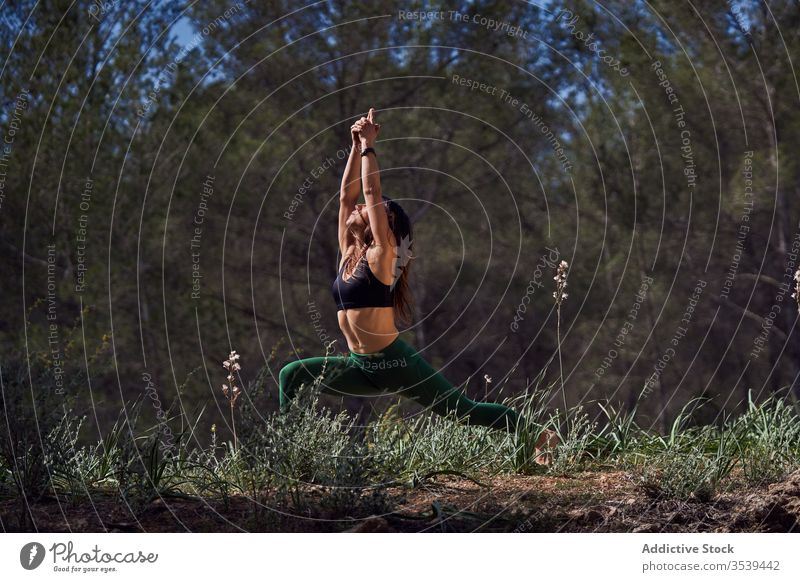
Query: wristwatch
x=365, y=151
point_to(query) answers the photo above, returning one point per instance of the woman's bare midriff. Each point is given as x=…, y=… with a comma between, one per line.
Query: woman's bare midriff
x=368, y=329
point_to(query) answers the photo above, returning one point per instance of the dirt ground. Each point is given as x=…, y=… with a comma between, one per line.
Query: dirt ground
x=586, y=502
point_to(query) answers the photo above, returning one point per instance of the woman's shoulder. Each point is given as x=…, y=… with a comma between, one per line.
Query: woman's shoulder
x=378, y=250
x=380, y=259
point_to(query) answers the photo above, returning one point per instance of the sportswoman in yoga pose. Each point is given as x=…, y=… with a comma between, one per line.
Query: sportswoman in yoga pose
x=370, y=290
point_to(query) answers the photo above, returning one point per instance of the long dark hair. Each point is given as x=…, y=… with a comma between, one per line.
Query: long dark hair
x=400, y=225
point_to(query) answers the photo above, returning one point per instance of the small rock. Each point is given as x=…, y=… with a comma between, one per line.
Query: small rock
x=373, y=524
x=765, y=514
x=157, y=506
x=592, y=516
x=789, y=486
x=678, y=517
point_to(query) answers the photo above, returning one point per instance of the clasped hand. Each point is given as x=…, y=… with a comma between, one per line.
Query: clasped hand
x=365, y=130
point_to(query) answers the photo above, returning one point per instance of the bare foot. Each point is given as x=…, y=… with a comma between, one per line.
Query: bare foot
x=544, y=447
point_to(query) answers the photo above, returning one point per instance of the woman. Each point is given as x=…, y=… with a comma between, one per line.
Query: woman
x=370, y=290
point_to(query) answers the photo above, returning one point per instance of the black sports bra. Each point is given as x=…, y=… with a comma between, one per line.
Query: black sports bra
x=362, y=289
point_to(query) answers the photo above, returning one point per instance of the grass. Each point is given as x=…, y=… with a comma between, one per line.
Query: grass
x=351, y=467
x=312, y=455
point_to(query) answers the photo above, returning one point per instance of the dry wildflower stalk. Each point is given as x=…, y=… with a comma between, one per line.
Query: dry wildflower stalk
x=232, y=393
x=559, y=295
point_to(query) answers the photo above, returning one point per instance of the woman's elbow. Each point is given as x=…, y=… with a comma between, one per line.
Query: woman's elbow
x=348, y=192
x=372, y=192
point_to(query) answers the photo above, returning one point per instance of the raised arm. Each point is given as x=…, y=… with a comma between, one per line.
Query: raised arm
x=351, y=187
x=371, y=183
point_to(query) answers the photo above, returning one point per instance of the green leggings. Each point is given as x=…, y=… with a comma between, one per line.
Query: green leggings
x=397, y=368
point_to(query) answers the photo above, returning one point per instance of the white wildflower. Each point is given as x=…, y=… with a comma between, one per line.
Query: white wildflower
x=231, y=392
x=561, y=282
x=796, y=294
